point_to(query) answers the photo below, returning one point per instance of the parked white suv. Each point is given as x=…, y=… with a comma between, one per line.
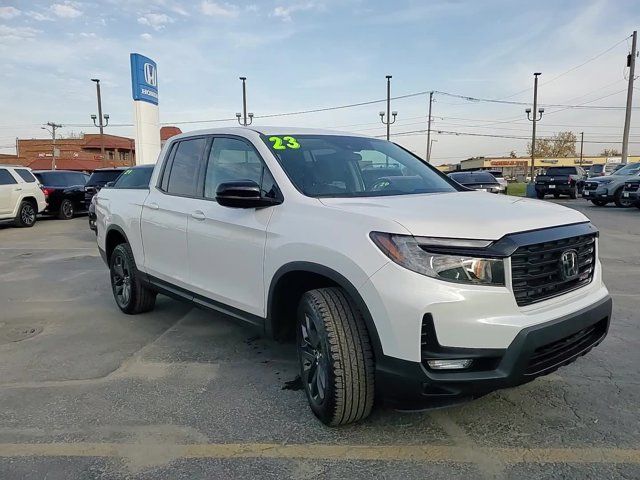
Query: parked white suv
x=21, y=197
x=394, y=281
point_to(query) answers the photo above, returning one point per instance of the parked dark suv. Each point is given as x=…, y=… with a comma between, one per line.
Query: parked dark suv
x=64, y=192
x=98, y=179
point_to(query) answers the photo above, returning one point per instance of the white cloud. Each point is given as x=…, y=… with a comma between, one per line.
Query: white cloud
x=284, y=13
x=157, y=21
x=214, y=9
x=146, y=36
x=38, y=16
x=179, y=9
x=66, y=10
x=7, y=13
x=17, y=33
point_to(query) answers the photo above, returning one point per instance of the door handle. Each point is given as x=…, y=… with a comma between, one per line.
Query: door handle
x=18, y=190
x=198, y=215
x=153, y=206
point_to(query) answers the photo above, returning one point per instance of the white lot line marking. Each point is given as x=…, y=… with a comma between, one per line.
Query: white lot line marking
x=52, y=249
x=416, y=453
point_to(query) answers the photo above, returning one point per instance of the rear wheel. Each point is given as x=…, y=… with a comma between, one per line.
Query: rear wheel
x=599, y=203
x=556, y=195
x=620, y=201
x=573, y=193
x=26, y=216
x=129, y=292
x=66, y=210
x=336, y=358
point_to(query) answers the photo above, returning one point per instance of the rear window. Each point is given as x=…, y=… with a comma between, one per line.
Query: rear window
x=25, y=175
x=596, y=168
x=562, y=171
x=61, y=179
x=473, y=177
x=135, y=178
x=100, y=177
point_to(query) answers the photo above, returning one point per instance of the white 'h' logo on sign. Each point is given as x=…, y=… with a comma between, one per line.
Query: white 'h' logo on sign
x=150, y=74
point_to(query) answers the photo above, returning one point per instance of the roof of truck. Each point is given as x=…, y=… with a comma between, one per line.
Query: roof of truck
x=267, y=130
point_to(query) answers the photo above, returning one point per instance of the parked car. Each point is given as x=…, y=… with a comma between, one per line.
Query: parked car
x=386, y=285
x=480, y=180
x=601, y=170
x=498, y=175
x=21, y=198
x=603, y=190
x=561, y=181
x=131, y=178
x=98, y=179
x=64, y=191
x=632, y=191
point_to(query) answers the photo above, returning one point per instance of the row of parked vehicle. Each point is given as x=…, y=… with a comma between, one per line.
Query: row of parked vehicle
x=59, y=193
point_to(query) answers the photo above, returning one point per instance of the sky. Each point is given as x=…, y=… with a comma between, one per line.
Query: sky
x=304, y=55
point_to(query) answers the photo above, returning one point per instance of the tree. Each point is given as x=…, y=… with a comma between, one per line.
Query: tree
x=562, y=144
x=513, y=154
x=610, y=152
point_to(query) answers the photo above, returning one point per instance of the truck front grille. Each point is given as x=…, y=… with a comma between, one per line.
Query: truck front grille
x=537, y=272
x=590, y=186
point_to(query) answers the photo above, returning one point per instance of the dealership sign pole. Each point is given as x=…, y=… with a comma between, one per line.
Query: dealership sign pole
x=144, y=88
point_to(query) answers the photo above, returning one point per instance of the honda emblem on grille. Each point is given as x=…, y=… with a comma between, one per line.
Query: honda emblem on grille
x=569, y=264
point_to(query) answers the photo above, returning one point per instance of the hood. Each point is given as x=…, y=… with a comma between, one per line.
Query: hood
x=472, y=215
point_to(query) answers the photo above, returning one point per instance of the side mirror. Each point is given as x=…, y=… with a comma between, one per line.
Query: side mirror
x=243, y=194
x=109, y=184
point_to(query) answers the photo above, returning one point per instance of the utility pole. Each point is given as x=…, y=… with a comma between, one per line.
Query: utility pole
x=100, y=117
x=429, y=128
x=631, y=63
x=535, y=119
x=388, y=122
x=581, y=145
x=54, y=126
x=244, y=114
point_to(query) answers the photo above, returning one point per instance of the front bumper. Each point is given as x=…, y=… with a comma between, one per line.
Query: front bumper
x=634, y=195
x=601, y=193
x=535, y=351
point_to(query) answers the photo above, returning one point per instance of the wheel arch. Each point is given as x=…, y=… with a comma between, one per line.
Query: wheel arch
x=115, y=236
x=291, y=281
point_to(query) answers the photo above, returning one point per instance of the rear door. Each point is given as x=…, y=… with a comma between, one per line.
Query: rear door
x=9, y=191
x=166, y=209
x=226, y=245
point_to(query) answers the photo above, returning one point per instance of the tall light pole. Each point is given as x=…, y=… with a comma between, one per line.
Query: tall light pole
x=54, y=126
x=242, y=117
x=100, y=117
x=429, y=128
x=581, y=145
x=431, y=148
x=627, y=118
x=388, y=122
x=534, y=119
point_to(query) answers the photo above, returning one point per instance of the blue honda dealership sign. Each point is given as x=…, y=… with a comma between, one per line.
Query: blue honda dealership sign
x=144, y=79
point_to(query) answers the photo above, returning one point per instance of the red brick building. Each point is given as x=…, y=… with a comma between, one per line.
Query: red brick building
x=81, y=154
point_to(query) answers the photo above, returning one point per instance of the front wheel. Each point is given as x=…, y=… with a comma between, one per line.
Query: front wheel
x=540, y=195
x=620, y=201
x=66, y=210
x=130, y=294
x=336, y=357
x=599, y=203
x=573, y=193
x=26, y=216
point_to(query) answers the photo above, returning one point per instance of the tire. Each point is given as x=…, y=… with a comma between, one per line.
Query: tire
x=556, y=195
x=599, y=203
x=637, y=204
x=332, y=336
x=131, y=296
x=26, y=216
x=573, y=194
x=66, y=210
x=540, y=195
x=621, y=202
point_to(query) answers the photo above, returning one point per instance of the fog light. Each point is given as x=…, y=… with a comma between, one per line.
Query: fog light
x=456, y=364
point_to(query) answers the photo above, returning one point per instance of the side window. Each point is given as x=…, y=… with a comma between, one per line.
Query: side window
x=25, y=175
x=230, y=160
x=6, y=178
x=183, y=177
x=137, y=178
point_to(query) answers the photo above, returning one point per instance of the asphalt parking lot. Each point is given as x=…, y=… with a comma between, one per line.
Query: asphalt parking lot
x=88, y=392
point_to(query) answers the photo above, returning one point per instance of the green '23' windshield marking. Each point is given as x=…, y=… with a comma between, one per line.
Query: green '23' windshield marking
x=282, y=143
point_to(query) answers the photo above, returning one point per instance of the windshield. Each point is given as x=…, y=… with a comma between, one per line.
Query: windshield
x=631, y=169
x=100, y=177
x=135, y=178
x=342, y=166
x=561, y=171
x=473, y=177
x=596, y=168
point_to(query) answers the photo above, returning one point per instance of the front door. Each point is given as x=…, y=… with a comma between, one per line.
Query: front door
x=8, y=187
x=226, y=245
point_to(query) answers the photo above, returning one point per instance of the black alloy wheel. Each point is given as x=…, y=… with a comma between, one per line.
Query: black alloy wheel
x=121, y=280
x=26, y=215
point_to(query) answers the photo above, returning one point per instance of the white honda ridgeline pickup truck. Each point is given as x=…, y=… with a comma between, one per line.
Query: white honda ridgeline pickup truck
x=396, y=282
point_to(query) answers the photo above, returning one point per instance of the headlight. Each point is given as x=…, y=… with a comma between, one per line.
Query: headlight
x=413, y=253
x=605, y=182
